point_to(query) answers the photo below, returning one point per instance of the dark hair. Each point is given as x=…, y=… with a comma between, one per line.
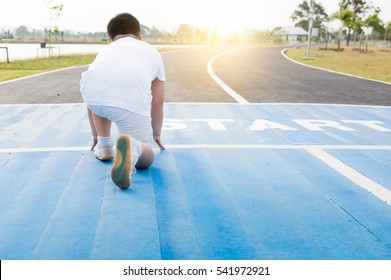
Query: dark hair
x=123, y=24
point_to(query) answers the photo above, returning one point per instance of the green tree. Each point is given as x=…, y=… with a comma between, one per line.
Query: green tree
x=346, y=17
x=387, y=29
x=54, y=12
x=185, y=32
x=144, y=30
x=202, y=34
x=375, y=22
x=22, y=31
x=154, y=33
x=359, y=8
x=303, y=12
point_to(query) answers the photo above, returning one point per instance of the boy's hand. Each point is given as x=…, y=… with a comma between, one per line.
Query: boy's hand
x=157, y=140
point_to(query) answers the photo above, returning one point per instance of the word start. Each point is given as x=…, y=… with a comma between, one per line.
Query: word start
x=264, y=124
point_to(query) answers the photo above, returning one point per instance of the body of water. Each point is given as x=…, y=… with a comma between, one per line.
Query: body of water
x=27, y=51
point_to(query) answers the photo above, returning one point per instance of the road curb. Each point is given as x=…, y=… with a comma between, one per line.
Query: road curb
x=330, y=71
x=40, y=74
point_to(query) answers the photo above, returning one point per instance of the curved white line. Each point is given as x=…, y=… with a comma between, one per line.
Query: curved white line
x=223, y=85
x=330, y=71
x=40, y=74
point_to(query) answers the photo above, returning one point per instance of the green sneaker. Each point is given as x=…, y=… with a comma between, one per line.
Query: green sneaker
x=120, y=172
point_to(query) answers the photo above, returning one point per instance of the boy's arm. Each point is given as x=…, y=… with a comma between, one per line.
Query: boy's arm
x=93, y=129
x=158, y=91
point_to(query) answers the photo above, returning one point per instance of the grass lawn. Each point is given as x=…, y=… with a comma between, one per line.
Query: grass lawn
x=21, y=68
x=376, y=64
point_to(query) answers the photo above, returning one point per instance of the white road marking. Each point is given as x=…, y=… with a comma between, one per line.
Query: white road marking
x=330, y=71
x=210, y=146
x=316, y=150
x=209, y=103
x=223, y=85
x=44, y=149
x=353, y=175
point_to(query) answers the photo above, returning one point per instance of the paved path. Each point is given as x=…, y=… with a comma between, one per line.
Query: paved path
x=54, y=87
x=259, y=74
x=264, y=75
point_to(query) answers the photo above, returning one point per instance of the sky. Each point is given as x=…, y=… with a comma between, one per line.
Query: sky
x=229, y=15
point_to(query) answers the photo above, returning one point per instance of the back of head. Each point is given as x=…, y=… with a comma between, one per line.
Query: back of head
x=123, y=24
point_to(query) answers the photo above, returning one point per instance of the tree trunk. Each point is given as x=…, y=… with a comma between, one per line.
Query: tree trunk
x=366, y=43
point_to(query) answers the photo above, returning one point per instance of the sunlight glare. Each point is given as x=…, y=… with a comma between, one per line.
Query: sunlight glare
x=226, y=16
x=233, y=16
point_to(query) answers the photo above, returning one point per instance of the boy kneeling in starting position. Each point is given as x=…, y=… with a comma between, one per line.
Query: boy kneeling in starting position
x=125, y=84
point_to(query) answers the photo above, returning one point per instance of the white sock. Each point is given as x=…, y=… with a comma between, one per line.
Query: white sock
x=105, y=141
x=136, y=148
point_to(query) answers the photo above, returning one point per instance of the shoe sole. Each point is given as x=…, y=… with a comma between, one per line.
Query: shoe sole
x=120, y=172
x=105, y=157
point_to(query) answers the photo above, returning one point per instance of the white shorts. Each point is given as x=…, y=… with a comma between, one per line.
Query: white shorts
x=137, y=126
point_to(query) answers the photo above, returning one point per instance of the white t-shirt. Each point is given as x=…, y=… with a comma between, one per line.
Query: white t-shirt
x=121, y=76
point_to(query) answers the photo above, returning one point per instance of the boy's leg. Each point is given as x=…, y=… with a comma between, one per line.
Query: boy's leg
x=104, y=149
x=140, y=130
x=102, y=125
x=130, y=154
x=147, y=157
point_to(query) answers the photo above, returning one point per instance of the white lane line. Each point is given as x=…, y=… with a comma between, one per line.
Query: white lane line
x=316, y=150
x=277, y=147
x=209, y=146
x=223, y=85
x=44, y=149
x=353, y=175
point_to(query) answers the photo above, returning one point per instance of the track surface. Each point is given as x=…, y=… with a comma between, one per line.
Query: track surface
x=237, y=181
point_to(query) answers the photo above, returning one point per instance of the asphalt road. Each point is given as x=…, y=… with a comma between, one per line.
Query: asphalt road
x=264, y=75
x=258, y=74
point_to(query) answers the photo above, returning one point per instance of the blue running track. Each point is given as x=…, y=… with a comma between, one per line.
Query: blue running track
x=256, y=181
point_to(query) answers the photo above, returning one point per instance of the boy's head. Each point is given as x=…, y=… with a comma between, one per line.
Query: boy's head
x=123, y=24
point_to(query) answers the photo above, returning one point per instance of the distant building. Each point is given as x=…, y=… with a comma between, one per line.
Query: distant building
x=292, y=34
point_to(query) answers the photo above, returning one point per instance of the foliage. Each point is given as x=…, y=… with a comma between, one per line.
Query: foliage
x=375, y=22
x=359, y=7
x=354, y=19
x=55, y=12
x=303, y=12
x=347, y=18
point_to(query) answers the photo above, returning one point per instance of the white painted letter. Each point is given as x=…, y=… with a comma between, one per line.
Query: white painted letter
x=173, y=124
x=215, y=124
x=315, y=125
x=260, y=125
x=371, y=124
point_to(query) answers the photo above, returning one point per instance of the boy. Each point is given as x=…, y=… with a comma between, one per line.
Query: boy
x=125, y=84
